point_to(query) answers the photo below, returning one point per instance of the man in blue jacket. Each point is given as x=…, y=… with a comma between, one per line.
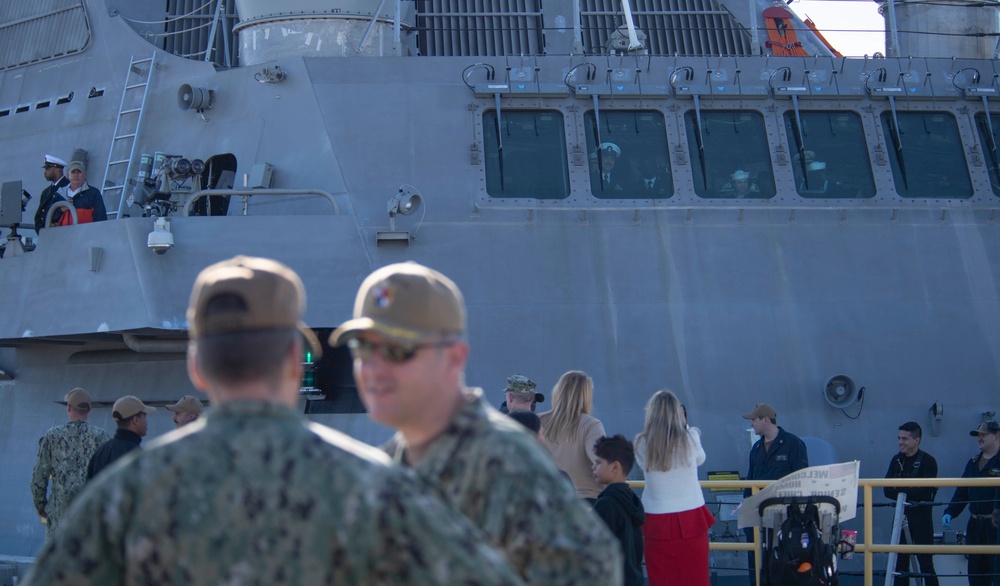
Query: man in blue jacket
x=775, y=455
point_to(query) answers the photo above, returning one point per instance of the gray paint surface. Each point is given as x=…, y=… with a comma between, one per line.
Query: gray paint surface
x=726, y=303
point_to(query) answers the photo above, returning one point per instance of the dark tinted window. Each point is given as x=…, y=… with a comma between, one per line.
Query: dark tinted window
x=926, y=154
x=988, y=133
x=829, y=154
x=730, y=157
x=627, y=155
x=525, y=154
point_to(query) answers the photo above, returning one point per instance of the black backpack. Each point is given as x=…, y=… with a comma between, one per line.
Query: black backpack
x=799, y=556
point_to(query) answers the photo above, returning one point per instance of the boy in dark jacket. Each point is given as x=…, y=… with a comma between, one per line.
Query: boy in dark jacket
x=620, y=508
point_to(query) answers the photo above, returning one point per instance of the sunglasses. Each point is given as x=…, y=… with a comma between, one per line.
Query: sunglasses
x=390, y=351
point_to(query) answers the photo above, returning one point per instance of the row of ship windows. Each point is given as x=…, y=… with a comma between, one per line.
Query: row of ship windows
x=628, y=155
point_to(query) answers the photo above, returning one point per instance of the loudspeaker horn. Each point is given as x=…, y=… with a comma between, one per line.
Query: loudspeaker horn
x=193, y=98
x=840, y=391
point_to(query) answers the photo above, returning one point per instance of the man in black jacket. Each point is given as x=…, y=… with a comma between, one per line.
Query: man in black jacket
x=980, y=499
x=53, y=170
x=130, y=415
x=912, y=462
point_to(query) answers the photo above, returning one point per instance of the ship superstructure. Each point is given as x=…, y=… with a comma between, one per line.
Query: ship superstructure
x=698, y=196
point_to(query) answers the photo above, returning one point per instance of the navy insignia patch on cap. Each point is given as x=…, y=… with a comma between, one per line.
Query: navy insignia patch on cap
x=382, y=296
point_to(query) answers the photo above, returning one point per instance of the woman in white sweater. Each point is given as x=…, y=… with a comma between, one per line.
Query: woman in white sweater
x=677, y=520
x=569, y=431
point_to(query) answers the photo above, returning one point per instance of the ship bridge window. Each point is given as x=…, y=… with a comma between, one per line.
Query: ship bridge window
x=729, y=154
x=989, y=137
x=525, y=154
x=627, y=155
x=830, y=156
x=926, y=154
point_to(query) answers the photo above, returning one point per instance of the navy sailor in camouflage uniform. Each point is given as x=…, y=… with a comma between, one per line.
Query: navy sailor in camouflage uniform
x=408, y=343
x=63, y=454
x=253, y=493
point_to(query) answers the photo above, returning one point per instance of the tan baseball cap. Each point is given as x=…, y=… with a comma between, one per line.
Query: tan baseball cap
x=78, y=399
x=128, y=406
x=761, y=410
x=272, y=297
x=186, y=404
x=405, y=302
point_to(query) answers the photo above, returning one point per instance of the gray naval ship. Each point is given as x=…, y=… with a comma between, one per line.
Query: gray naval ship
x=699, y=195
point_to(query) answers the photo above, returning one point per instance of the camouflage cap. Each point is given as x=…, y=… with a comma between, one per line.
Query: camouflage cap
x=272, y=297
x=78, y=399
x=128, y=406
x=405, y=302
x=520, y=384
x=187, y=404
x=761, y=410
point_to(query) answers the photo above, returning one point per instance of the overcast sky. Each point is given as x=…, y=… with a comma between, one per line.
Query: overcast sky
x=853, y=27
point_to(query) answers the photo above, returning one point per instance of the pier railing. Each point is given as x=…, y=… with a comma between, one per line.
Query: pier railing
x=867, y=547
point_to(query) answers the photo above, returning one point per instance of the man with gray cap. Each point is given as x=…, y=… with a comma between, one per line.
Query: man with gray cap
x=85, y=198
x=775, y=455
x=255, y=493
x=186, y=410
x=130, y=415
x=408, y=342
x=63, y=455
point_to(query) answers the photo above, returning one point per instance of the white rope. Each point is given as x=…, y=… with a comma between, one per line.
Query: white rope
x=189, y=14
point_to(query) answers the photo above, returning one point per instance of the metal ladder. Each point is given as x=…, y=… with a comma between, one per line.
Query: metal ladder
x=130, y=115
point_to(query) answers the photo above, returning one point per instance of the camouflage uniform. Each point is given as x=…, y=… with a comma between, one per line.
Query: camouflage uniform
x=255, y=494
x=63, y=454
x=487, y=467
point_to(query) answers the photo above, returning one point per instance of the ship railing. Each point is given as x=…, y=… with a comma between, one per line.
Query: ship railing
x=57, y=206
x=868, y=547
x=247, y=193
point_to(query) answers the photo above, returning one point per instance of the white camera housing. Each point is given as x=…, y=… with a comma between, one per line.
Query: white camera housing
x=160, y=239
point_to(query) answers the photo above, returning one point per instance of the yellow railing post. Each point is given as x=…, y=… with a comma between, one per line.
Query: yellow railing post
x=868, y=534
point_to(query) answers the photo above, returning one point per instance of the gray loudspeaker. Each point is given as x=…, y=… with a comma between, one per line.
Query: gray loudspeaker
x=194, y=98
x=840, y=391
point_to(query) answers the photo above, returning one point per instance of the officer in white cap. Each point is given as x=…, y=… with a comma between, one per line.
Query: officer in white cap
x=604, y=178
x=53, y=171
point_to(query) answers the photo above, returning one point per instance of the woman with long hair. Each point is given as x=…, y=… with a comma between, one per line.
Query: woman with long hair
x=569, y=431
x=677, y=520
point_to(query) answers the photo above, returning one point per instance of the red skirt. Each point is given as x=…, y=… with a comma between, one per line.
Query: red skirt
x=676, y=547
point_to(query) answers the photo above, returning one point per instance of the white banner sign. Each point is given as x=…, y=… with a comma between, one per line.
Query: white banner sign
x=839, y=481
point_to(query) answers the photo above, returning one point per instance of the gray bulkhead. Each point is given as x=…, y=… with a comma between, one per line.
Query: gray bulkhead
x=727, y=303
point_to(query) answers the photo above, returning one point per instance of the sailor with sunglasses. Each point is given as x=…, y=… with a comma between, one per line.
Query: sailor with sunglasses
x=253, y=493
x=408, y=340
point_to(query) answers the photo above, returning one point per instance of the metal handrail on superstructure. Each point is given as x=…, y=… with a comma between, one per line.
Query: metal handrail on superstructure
x=248, y=192
x=868, y=548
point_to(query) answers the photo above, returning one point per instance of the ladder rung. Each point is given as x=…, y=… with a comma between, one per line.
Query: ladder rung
x=133, y=110
x=138, y=85
x=113, y=188
x=121, y=162
x=121, y=136
x=146, y=60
